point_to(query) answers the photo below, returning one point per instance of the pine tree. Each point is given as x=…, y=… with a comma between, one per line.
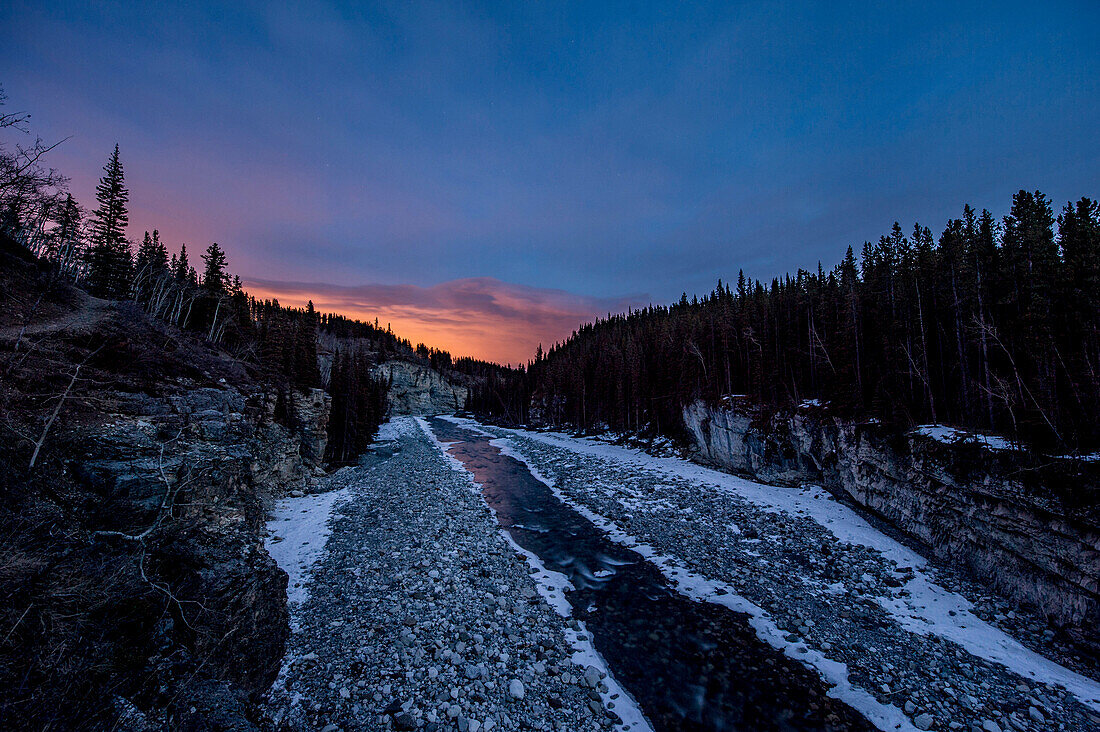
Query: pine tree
x=147, y=267
x=110, y=263
x=144, y=254
x=849, y=285
x=1030, y=257
x=1079, y=321
x=180, y=266
x=305, y=368
x=67, y=245
x=215, y=279
x=1079, y=236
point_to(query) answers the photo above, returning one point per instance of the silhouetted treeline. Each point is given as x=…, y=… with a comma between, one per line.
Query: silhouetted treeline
x=382, y=341
x=493, y=390
x=358, y=405
x=499, y=393
x=94, y=252
x=994, y=326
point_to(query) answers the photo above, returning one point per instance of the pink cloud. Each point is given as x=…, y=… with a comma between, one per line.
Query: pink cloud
x=481, y=317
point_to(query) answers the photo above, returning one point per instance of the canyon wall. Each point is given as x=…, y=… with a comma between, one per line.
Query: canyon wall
x=420, y=390
x=1013, y=526
x=201, y=464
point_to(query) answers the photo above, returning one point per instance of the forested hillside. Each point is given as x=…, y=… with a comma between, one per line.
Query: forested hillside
x=994, y=325
x=151, y=411
x=92, y=250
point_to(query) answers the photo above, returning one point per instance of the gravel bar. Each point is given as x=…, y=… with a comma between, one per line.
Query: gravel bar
x=421, y=615
x=822, y=592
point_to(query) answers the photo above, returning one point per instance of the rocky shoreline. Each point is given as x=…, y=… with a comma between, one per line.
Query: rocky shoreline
x=420, y=615
x=845, y=600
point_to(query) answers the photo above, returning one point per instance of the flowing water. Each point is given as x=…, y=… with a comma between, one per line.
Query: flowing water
x=690, y=665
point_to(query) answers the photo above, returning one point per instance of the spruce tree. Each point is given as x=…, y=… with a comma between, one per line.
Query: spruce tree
x=66, y=237
x=181, y=266
x=215, y=279
x=305, y=368
x=1079, y=236
x=144, y=255
x=110, y=264
x=145, y=264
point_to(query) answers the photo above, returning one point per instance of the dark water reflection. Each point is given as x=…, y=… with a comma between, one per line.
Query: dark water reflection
x=690, y=665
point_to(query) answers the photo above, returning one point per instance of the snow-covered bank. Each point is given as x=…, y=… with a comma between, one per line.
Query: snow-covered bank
x=297, y=533
x=929, y=608
x=980, y=504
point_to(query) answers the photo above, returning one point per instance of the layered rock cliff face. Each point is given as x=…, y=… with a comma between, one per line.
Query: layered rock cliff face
x=419, y=390
x=201, y=463
x=139, y=594
x=973, y=506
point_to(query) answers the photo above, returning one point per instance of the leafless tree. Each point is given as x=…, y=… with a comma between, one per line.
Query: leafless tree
x=30, y=193
x=172, y=489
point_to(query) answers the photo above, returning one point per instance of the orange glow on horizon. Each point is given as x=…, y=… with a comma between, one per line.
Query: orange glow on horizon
x=473, y=342
x=483, y=318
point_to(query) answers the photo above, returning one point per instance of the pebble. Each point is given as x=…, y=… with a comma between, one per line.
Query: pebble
x=440, y=602
x=420, y=607
x=819, y=590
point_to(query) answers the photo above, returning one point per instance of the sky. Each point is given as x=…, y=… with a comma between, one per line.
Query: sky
x=487, y=176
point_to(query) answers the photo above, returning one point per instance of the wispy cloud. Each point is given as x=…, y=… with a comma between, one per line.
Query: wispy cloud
x=482, y=317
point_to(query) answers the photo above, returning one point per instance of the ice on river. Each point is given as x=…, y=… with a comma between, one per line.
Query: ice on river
x=697, y=587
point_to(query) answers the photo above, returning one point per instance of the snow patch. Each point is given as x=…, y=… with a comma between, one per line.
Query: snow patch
x=466, y=423
x=396, y=428
x=297, y=533
x=952, y=435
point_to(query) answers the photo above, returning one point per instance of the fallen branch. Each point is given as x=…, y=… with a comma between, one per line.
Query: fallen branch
x=17, y=622
x=57, y=410
x=166, y=501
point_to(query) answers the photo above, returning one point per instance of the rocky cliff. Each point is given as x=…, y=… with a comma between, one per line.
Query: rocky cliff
x=199, y=464
x=139, y=594
x=973, y=506
x=420, y=390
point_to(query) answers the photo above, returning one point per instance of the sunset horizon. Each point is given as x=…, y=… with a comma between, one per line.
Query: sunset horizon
x=481, y=318
x=612, y=156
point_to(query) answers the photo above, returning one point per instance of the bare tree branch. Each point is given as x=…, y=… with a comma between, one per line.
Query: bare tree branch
x=57, y=409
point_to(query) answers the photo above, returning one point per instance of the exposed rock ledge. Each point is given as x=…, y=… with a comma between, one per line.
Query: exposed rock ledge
x=420, y=390
x=222, y=446
x=966, y=502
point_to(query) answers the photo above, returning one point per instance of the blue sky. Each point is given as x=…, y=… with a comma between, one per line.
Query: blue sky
x=611, y=152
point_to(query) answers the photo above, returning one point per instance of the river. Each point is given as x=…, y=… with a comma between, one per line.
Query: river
x=690, y=665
